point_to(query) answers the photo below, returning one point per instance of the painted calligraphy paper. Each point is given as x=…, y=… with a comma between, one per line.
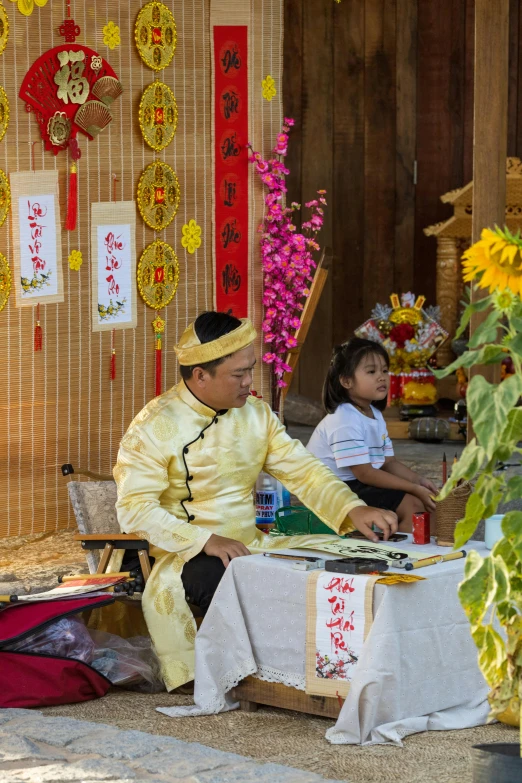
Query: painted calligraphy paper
x=113, y=253
x=339, y=617
x=37, y=241
x=351, y=547
x=231, y=170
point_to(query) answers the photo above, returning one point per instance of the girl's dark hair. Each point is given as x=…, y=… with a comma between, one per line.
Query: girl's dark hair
x=210, y=326
x=345, y=360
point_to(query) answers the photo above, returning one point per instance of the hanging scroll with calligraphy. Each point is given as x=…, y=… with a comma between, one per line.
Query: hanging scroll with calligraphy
x=339, y=617
x=37, y=246
x=113, y=252
x=230, y=64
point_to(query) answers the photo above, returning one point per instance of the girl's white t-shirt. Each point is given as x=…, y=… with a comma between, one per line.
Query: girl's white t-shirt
x=348, y=437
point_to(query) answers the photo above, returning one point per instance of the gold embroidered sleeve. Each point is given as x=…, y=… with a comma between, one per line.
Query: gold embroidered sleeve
x=141, y=475
x=306, y=476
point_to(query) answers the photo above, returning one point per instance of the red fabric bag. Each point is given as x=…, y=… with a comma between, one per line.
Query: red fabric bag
x=37, y=680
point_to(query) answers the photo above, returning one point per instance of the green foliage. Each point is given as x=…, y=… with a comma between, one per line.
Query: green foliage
x=491, y=591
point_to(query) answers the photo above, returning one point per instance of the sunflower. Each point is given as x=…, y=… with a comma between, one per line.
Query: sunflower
x=504, y=301
x=495, y=261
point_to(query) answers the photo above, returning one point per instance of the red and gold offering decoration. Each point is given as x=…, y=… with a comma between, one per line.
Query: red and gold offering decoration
x=5, y=281
x=158, y=276
x=410, y=335
x=4, y=28
x=4, y=113
x=5, y=197
x=158, y=115
x=155, y=35
x=158, y=195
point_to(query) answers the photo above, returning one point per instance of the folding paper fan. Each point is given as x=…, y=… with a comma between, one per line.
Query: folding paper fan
x=70, y=89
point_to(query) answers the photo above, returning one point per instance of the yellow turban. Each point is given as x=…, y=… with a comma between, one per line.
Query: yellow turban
x=191, y=351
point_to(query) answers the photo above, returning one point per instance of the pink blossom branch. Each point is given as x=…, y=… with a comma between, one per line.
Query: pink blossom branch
x=286, y=258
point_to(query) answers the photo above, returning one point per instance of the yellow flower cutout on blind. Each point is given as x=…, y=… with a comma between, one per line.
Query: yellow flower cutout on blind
x=191, y=238
x=269, y=90
x=111, y=35
x=26, y=7
x=75, y=260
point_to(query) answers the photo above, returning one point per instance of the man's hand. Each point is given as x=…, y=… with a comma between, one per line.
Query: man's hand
x=425, y=496
x=363, y=517
x=424, y=482
x=225, y=548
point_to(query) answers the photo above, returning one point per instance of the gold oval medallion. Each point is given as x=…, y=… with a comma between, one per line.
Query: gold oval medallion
x=158, y=274
x=4, y=28
x=158, y=115
x=5, y=281
x=5, y=197
x=4, y=112
x=158, y=195
x=155, y=35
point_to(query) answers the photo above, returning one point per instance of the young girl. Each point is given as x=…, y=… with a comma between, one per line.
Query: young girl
x=352, y=440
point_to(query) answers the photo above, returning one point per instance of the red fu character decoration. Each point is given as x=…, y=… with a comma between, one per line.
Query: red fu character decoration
x=70, y=88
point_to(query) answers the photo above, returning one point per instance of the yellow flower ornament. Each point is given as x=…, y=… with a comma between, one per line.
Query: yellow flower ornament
x=191, y=236
x=495, y=261
x=269, y=90
x=111, y=35
x=75, y=260
x=26, y=7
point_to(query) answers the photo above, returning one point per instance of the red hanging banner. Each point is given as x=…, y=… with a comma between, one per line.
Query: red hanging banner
x=231, y=168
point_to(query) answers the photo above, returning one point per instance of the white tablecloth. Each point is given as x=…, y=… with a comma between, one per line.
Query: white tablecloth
x=418, y=670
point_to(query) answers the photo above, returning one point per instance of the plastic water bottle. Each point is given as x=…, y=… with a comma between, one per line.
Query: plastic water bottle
x=283, y=496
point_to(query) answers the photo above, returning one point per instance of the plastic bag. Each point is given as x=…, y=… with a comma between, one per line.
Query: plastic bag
x=66, y=638
x=128, y=663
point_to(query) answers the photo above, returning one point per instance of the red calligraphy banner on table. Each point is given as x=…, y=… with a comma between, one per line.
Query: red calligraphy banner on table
x=231, y=168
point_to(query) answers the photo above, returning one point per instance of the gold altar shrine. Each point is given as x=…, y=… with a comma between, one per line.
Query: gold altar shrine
x=454, y=236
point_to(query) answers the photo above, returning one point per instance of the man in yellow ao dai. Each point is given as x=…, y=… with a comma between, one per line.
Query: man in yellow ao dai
x=185, y=473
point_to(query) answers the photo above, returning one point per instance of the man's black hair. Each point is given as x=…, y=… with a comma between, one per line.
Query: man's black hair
x=210, y=326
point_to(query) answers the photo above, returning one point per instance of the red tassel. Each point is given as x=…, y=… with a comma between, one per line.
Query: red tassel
x=72, y=200
x=38, y=332
x=113, y=358
x=158, y=367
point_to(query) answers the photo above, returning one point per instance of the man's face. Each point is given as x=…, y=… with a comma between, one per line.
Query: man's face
x=229, y=387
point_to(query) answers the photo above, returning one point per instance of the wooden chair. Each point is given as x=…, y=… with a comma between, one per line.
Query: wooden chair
x=93, y=504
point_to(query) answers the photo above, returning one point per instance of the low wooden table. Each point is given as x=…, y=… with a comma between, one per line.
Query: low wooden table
x=251, y=692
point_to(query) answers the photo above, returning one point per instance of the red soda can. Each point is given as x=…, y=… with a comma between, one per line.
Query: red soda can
x=421, y=528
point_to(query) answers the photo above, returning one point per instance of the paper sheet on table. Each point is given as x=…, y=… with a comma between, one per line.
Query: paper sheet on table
x=350, y=547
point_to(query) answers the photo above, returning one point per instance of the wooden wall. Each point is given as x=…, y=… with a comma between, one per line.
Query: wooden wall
x=375, y=85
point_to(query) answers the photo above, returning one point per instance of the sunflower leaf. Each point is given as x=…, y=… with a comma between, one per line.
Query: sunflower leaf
x=475, y=509
x=473, y=307
x=515, y=344
x=489, y=354
x=489, y=406
x=514, y=489
x=486, y=332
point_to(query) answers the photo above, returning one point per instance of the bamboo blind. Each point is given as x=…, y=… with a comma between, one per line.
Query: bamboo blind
x=59, y=405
